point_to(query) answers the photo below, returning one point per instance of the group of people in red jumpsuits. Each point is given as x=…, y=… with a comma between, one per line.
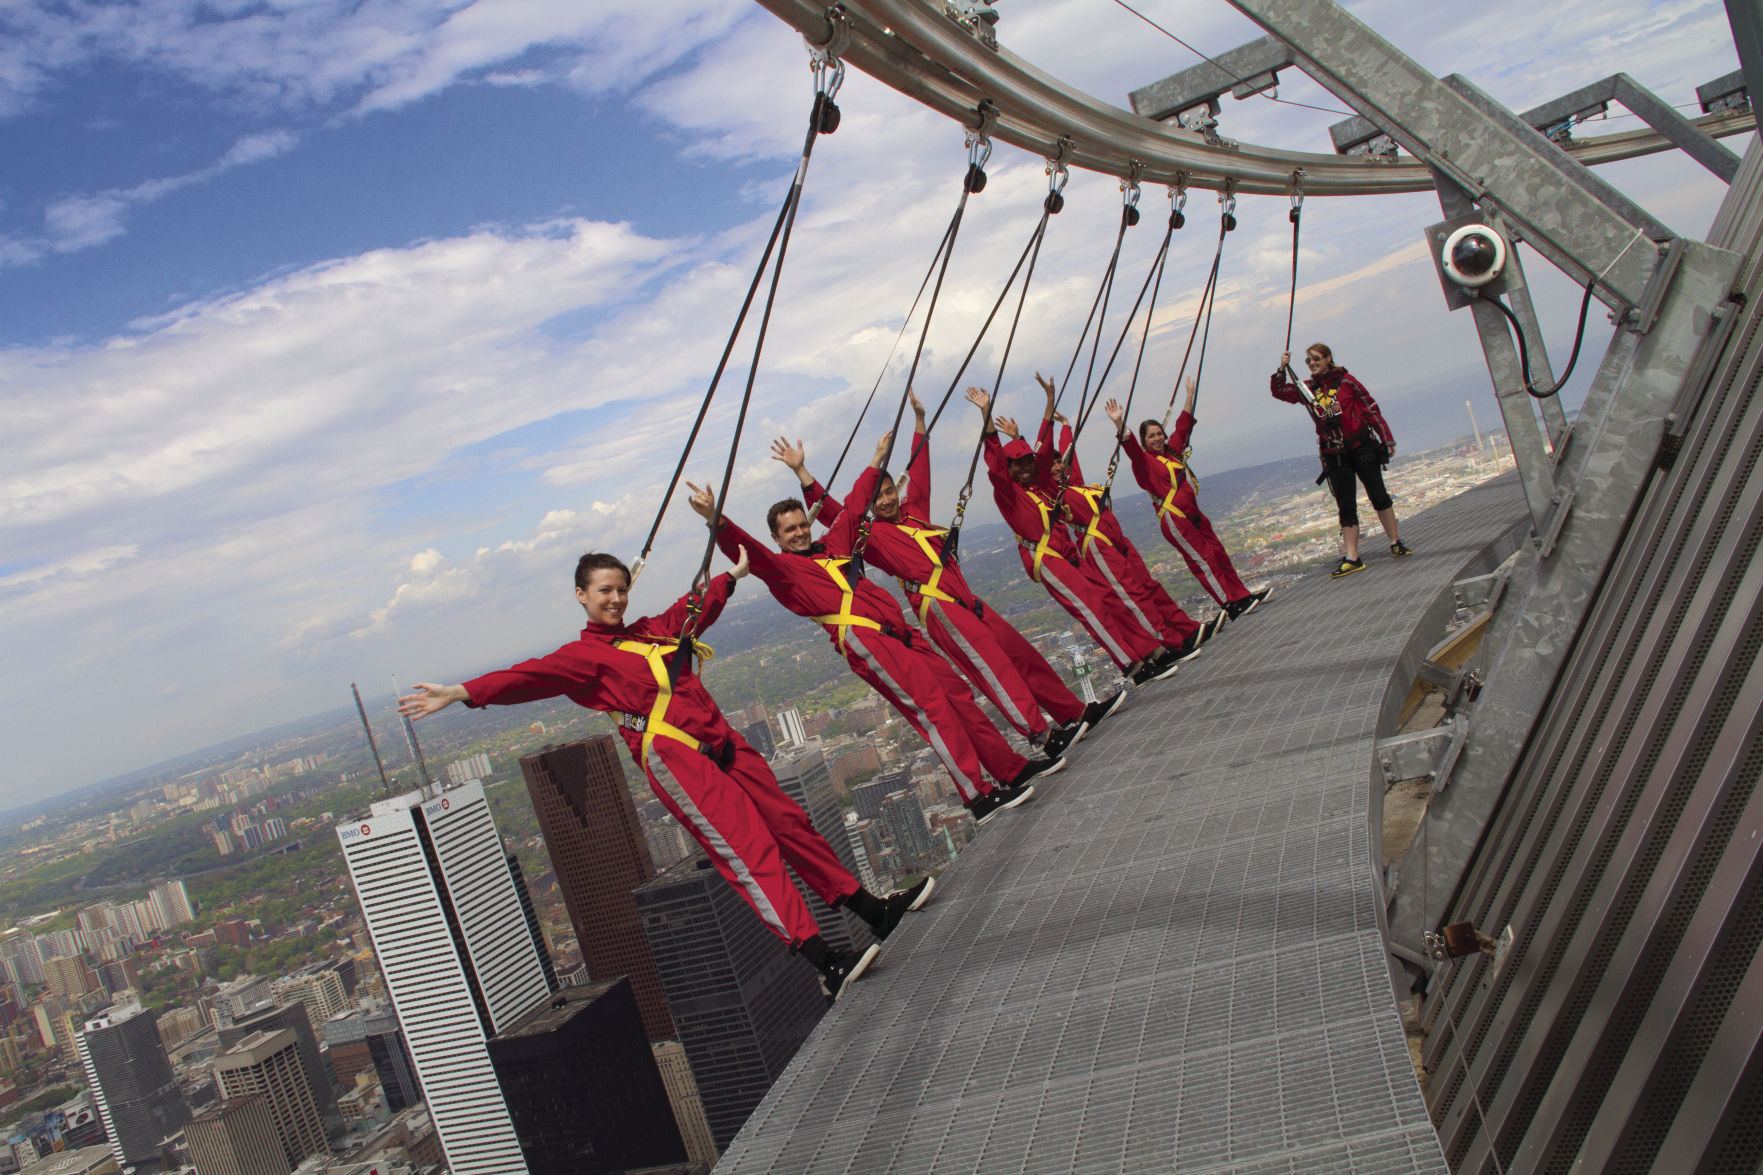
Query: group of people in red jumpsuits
x=1070, y=542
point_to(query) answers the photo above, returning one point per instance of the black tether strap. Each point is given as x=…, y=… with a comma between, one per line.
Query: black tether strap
x=780, y=231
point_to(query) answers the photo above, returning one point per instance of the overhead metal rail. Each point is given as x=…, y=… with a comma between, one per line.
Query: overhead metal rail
x=932, y=57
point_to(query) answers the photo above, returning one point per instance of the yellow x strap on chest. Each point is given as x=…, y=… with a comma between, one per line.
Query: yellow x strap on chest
x=1092, y=529
x=1043, y=546
x=928, y=590
x=1176, y=469
x=655, y=721
x=844, y=620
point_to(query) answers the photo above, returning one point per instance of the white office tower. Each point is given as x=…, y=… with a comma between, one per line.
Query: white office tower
x=789, y=721
x=419, y=864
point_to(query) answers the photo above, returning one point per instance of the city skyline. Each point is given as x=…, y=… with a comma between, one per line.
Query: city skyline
x=323, y=366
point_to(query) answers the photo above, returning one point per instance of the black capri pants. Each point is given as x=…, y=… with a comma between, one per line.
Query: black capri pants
x=1364, y=462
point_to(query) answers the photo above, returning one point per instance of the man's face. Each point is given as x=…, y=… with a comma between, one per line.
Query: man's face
x=1154, y=438
x=1022, y=470
x=793, y=533
x=887, y=500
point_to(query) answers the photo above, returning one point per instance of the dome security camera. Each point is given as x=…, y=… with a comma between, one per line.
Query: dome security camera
x=1473, y=255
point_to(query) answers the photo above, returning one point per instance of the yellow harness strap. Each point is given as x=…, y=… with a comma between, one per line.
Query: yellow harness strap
x=844, y=620
x=655, y=722
x=928, y=590
x=1176, y=468
x=1092, y=531
x=1043, y=546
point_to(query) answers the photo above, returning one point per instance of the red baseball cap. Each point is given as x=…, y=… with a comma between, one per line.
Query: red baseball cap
x=1018, y=448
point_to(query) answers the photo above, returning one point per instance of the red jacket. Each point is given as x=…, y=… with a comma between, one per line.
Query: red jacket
x=892, y=545
x=804, y=585
x=1029, y=511
x=1344, y=413
x=595, y=673
x=1083, y=503
x=1158, y=473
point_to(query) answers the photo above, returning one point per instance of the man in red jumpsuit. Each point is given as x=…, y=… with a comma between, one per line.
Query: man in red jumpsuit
x=1159, y=465
x=1106, y=549
x=997, y=659
x=1052, y=560
x=817, y=580
x=716, y=785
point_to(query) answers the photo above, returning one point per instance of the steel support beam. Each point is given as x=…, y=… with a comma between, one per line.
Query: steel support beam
x=1746, y=18
x=1244, y=71
x=930, y=57
x=1556, y=203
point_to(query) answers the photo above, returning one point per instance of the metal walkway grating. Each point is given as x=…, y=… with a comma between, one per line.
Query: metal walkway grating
x=1170, y=961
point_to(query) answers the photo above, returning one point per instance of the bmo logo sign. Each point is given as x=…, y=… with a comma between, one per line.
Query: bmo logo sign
x=356, y=833
x=438, y=807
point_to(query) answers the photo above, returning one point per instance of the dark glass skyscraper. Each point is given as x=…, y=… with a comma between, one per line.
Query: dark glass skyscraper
x=741, y=1001
x=131, y=1082
x=582, y=1087
x=803, y=776
x=600, y=855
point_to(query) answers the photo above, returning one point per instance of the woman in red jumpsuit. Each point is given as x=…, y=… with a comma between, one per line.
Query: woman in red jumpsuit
x=713, y=782
x=1159, y=464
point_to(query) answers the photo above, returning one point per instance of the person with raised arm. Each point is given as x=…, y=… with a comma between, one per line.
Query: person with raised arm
x=1103, y=544
x=705, y=773
x=1160, y=466
x=1050, y=556
x=1355, y=442
x=994, y=657
x=819, y=580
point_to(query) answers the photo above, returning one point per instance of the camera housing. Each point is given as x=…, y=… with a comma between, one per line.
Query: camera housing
x=1474, y=260
x=1473, y=255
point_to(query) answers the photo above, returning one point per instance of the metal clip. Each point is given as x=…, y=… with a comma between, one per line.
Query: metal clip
x=1129, y=186
x=1297, y=191
x=826, y=60
x=979, y=137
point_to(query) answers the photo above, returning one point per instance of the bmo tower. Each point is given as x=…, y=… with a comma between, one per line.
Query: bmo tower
x=459, y=957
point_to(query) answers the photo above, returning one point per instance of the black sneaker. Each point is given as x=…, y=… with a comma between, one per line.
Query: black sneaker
x=1190, y=648
x=1218, y=623
x=1261, y=596
x=843, y=968
x=1240, y=608
x=1399, y=550
x=1106, y=708
x=997, y=800
x=1062, y=738
x=900, y=903
x=1035, y=769
x=1154, y=671
x=1347, y=567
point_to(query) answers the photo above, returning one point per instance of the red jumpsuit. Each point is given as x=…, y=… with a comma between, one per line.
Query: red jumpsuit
x=1166, y=478
x=714, y=783
x=1051, y=560
x=1106, y=548
x=866, y=625
x=998, y=660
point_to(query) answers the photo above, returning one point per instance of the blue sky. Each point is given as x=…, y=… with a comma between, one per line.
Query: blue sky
x=331, y=332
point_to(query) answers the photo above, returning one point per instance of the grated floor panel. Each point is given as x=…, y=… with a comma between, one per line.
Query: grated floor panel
x=1169, y=961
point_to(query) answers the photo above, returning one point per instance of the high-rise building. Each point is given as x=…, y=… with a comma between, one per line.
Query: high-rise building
x=318, y=987
x=171, y=904
x=119, y=975
x=240, y=996
x=669, y=842
x=688, y=1108
x=758, y=735
x=381, y=1048
x=903, y=816
x=741, y=1001
x=530, y=914
x=294, y=1018
x=804, y=777
x=70, y=977
x=131, y=1082
x=269, y=1063
x=21, y=952
x=867, y=798
x=599, y=854
x=789, y=723
x=854, y=826
x=582, y=1086
x=456, y=953
x=237, y=1137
